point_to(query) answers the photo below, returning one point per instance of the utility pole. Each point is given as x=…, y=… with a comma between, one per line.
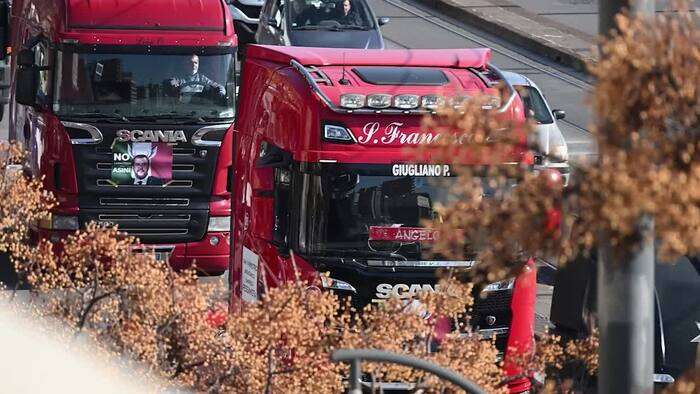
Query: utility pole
x=626, y=281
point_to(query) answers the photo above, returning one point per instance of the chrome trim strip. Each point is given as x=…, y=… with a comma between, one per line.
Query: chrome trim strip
x=663, y=378
x=200, y=133
x=510, y=87
x=420, y=263
x=157, y=249
x=95, y=133
x=139, y=201
x=486, y=333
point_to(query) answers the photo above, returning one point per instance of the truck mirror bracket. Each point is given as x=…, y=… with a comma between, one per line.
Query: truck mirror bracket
x=272, y=156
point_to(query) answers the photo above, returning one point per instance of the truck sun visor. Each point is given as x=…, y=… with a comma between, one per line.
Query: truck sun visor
x=402, y=76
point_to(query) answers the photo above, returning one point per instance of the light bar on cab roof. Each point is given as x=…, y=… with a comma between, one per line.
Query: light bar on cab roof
x=400, y=104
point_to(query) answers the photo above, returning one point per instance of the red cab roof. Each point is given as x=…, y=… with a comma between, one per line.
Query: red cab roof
x=459, y=58
x=198, y=15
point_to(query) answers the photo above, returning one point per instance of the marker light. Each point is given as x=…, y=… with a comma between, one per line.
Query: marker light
x=493, y=102
x=219, y=223
x=406, y=101
x=432, y=101
x=352, y=100
x=379, y=100
x=458, y=101
x=337, y=133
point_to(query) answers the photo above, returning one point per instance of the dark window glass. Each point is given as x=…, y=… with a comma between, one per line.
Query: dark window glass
x=145, y=84
x=339, y=205
x=535, y=107
x=401, y=75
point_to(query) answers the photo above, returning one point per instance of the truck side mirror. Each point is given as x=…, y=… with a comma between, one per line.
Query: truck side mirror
x=559, y=113
x=4, y=28
x=383, y=20
x=27, y=78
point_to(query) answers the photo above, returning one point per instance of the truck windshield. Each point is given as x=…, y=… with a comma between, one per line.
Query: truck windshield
x=343, y=209
x=145, y=84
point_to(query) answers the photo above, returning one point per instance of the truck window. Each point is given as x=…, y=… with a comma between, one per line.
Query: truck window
x=42, y=59
x=131, y=85
x=535, y=107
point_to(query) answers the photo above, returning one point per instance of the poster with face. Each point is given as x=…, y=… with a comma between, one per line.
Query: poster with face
x=142, y=163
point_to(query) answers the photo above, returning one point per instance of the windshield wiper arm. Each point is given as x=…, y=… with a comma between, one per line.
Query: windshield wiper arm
x=312, y=27
x=182, y=118
x=100, y=115
x=353, y=27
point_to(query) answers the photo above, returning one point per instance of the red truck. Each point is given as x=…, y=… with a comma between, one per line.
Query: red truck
x=323, y=176
x=126, y=109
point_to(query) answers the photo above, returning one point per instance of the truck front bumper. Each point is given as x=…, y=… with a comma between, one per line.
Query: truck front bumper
x=208, y=256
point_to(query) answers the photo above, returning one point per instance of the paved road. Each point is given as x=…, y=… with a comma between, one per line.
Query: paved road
x=414, y=26
x=581, y=15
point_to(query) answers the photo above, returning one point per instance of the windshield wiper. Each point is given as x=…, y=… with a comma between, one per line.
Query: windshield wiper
x=353, y=252
x=353, y=27
x=99, y=115
x=181, y=119
x=312, y=27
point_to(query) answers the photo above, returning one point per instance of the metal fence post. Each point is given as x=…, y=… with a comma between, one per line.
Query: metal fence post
x=355, y=376
x=626, y=281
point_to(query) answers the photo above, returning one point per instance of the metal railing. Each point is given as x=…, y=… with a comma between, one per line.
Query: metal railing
x=354, y=357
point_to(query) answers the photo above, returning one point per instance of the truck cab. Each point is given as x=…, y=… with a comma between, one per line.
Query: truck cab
x=125, y=109
x=326, y=180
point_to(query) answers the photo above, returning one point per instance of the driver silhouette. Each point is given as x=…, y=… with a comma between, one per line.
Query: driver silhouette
x=195, y=82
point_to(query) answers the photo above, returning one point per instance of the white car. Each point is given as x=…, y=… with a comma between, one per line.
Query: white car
x=550, y=139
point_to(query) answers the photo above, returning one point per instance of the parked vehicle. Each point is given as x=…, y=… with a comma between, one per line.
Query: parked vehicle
x=550, y=138
x=320, y=23
x=123, y=108
x=325, y=184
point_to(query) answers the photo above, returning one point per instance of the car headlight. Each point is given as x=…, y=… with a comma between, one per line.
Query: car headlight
x=219, y=223
x=559, y=152
x=60, y=222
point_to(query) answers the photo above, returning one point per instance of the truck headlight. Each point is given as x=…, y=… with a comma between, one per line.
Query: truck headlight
x=219, y=224
x=352, y=101
x=432, y=101
x=406, y=101
x=379, y=100
x=60, y=222
x=336, y=133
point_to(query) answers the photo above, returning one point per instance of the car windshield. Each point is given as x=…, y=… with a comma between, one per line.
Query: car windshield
x=362, y=210
x=329, y=15
x=136, y=85
x=535, y=107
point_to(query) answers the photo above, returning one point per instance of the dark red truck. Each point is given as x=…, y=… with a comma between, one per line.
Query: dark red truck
x=125, y=108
